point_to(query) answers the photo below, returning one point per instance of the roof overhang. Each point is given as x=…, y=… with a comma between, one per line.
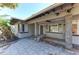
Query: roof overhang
x=44, y=11
x=15, y=20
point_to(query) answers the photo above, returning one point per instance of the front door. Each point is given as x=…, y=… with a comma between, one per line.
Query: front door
x=41, y=29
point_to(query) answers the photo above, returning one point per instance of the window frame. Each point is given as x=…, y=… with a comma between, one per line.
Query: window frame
x=58, y=32
x=74, y=25
x=21, y=28
x=54, y=29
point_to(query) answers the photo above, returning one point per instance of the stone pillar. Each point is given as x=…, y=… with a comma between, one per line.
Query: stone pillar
x=35, y=29
x=68, y=31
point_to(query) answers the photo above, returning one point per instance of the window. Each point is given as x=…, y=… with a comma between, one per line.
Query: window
x=74, y=27
x=22, y=28
x=57, y=28
x=53, y=28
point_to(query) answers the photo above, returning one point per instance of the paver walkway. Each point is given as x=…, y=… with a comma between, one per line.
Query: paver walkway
x=31, y=47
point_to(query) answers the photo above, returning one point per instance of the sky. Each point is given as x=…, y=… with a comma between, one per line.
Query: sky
x=24, y=10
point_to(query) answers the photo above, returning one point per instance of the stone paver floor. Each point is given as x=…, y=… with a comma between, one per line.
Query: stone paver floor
x=27, y=46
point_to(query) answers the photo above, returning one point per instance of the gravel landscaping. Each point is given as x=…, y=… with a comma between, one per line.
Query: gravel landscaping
x=28, y=46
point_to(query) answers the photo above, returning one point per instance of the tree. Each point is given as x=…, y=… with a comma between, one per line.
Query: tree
x=8, y=5
x=4, y=28
x=6, y=34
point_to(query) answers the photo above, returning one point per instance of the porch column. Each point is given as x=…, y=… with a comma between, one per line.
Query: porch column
x=68, y=31
x=35, y=29
x=39, y=29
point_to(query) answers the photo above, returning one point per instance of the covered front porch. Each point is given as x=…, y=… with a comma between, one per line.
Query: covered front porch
x=60, y=22
x=61, y=31
x=50, y=30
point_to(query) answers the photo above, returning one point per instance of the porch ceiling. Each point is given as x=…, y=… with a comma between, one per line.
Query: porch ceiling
x=59, y=20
